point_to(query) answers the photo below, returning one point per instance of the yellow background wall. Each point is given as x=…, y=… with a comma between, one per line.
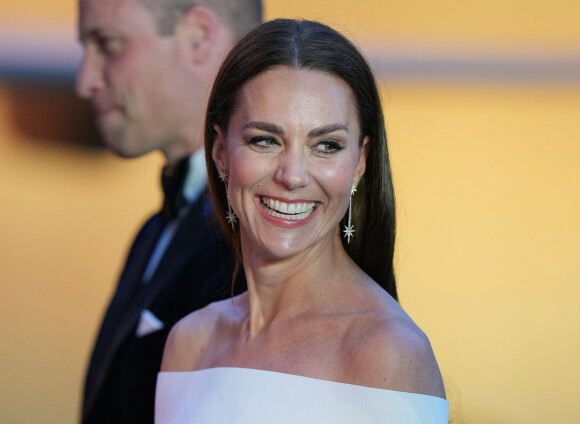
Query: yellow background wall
x=488, y=189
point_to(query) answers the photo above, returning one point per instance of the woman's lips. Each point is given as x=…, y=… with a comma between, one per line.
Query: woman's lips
x=293, y=211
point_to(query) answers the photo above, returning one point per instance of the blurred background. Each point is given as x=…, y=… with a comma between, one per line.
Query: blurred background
x=482, y=101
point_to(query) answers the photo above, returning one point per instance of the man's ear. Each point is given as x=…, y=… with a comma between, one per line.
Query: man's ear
x=219, y=152
x=198, y=33
x=362, y=160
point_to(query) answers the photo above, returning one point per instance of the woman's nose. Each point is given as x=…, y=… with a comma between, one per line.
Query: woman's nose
x=292, y=172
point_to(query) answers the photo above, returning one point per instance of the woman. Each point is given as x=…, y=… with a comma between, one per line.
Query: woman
x=299, y=172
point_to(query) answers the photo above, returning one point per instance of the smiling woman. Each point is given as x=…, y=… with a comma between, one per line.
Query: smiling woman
x=291, y=173
x=297, y=155
x=313, y=48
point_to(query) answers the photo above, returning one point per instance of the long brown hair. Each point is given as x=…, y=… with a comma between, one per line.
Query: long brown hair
x=314, y=46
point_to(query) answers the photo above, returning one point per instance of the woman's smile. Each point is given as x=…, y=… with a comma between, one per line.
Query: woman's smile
x=292, y=153
x=297, y=212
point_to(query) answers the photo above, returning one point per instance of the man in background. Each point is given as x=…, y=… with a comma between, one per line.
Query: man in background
x=148, y=69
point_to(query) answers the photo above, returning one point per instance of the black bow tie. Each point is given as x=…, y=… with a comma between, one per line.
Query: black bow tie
x=172, y=180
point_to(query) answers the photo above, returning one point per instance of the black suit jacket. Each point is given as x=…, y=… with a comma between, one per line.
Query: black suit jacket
x=196, y=269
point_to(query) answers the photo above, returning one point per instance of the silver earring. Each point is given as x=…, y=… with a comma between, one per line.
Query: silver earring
x=231, y=216
x=348, y=229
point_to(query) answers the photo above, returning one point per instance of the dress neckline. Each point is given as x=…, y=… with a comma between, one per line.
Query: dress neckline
x=240, y=371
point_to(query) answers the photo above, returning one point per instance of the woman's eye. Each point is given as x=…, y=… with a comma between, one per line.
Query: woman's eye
x=328, y=146
x=262, y=141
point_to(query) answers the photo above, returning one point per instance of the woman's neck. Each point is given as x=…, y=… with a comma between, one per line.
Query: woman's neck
x=280, y=289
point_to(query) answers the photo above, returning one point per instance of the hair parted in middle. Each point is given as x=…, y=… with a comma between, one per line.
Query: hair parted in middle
x=309, y=45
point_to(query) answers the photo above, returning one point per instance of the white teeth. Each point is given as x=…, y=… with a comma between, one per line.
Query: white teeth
x=285, y=210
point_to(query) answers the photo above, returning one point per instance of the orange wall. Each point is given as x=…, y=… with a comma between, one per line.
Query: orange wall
x=487, y=182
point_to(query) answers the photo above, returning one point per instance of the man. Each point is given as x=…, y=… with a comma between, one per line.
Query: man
x=148, y=69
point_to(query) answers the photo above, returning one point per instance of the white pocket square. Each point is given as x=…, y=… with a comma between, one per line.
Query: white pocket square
x=148, y=323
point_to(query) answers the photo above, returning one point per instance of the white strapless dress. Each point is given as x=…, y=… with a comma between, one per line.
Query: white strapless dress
x=249, y=396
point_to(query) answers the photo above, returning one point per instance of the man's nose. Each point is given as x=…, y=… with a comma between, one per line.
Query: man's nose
x=90, y=77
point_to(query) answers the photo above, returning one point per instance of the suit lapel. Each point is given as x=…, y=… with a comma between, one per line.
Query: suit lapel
x=191, y=232
x=137, y=297
x=111, y=335
x=133, y=297
x=130, y=281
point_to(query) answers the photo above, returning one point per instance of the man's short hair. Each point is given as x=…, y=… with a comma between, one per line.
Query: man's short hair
x=239, y=15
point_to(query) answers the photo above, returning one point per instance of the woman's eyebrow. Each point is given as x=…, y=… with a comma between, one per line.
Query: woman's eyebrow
x=317, y=132
x=264, y=126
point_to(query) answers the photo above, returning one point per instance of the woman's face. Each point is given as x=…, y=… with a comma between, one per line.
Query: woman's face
x=292, y=153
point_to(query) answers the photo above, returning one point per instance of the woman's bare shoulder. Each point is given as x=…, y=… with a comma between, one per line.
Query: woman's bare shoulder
x=393, y=353
x=189, y=337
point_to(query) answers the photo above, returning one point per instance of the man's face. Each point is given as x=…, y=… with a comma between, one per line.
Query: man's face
x=137, y=81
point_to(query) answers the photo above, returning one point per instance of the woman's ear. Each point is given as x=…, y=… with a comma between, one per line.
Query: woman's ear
x=362, y=160
x=219, y=152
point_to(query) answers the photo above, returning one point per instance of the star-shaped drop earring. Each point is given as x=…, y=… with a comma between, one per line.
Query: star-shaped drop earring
x=231, y=216
x=349, y=229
